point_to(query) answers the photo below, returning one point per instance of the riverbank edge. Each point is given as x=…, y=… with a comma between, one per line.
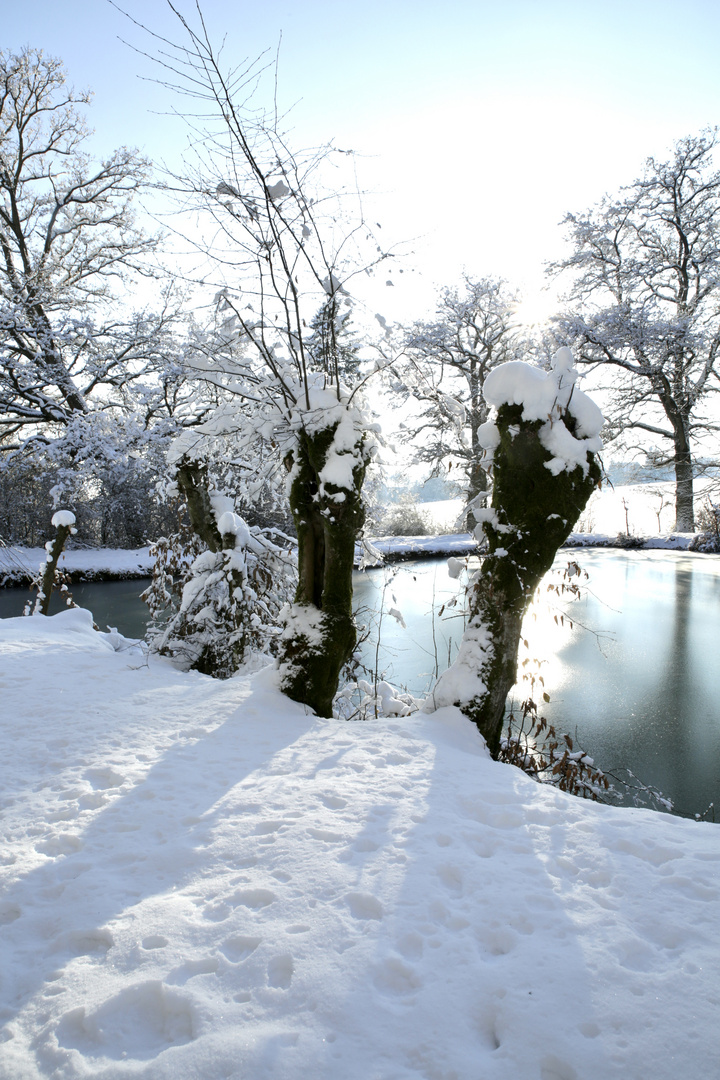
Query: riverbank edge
x=18, y=565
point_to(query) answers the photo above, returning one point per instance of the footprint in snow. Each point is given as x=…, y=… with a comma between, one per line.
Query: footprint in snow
x=333, y=802
x=84, y=942
x=9, y=912
x=92, y=801
x=239, y=947
x=62, y=844
x=266, y=828
x=252, y=898
x=499, y=941
x=104, y=778
x=154, y=941
x=411, y=946
x=206, y=965
x=394, y=976
x=280, y=971
x=452, y=878
x=555, y=1068
x=146, y=1017
x=364, y=906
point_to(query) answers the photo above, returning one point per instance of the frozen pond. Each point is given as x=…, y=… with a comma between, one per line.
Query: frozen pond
x=636, y=676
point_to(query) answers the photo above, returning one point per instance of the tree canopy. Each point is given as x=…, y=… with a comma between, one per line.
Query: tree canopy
x=645, y=304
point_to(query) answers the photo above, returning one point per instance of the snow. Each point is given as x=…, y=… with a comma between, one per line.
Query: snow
x=64, y=518
x=545, y=396
x=21, y=563
x=199, y=879
x=455, y=567
x=462, y=681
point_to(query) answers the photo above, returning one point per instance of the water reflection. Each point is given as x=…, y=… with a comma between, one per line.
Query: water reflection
x=645, y=691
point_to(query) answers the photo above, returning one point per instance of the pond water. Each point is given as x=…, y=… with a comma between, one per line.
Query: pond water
x=635, y=676
x=113, y=603
x=631, y=667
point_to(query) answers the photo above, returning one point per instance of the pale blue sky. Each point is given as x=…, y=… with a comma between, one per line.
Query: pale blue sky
x=482, y=122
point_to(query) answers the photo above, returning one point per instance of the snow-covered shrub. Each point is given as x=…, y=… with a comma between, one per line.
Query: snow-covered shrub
x=708, y=522
x=213, y=610
x=362, y=700
x=404, y=519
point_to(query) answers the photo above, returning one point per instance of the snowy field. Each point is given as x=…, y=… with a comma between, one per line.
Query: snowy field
x=201, y=881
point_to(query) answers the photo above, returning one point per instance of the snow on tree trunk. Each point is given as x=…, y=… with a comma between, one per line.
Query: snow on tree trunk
x=64, y=522
x=327, y=473
x=544, y=436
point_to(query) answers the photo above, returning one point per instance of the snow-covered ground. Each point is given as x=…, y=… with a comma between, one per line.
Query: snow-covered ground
x=199, y=880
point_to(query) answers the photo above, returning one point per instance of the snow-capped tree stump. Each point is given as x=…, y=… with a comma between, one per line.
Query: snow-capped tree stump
x=64, y=522
x=543, y=437
x=327, y=473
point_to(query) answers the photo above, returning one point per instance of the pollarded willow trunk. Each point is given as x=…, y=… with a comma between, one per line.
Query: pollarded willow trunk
x=320, y=635
x=478, y=483
x=544, y=473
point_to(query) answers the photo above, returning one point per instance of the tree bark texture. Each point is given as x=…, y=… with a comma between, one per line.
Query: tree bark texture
x=535, y=513
x=328, y=520
x=48, y=579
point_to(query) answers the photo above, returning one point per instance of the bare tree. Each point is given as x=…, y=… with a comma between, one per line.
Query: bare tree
x=67, y=233
x=646, y=305
x=280, y=250
x=443, y=366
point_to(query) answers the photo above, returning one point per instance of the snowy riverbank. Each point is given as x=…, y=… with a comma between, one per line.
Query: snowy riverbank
x=19, y=564
x=200, y=880
x=641, y=510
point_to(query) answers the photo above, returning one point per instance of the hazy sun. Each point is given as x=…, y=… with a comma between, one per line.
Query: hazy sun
x=536, y=308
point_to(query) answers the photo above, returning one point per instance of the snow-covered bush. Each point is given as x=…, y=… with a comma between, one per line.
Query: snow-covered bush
x=362, y=700
x=404, y=519
x=708, y=521
x=215, y=610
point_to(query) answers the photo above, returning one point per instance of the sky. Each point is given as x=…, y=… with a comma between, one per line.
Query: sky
x=477, y=125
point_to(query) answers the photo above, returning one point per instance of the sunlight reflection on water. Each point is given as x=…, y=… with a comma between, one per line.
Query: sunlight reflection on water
x=635, y=675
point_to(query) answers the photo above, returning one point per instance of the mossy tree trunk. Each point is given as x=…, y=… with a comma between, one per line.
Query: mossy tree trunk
x=535, y=511
x=320, y=633
x=193, y=481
